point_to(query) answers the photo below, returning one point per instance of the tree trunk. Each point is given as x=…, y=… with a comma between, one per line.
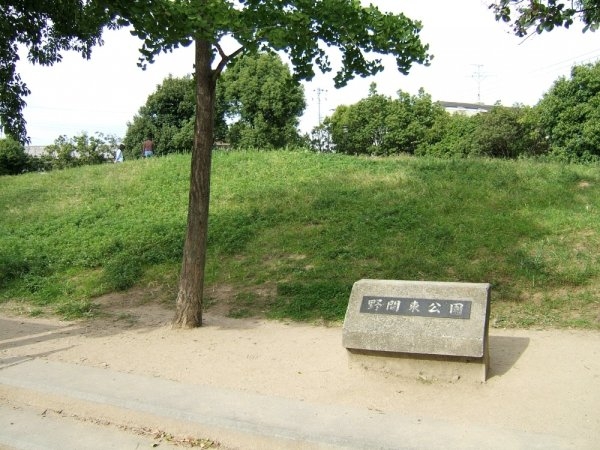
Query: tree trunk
x=191, y=283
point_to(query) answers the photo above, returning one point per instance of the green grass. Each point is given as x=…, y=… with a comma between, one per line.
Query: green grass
x=291, y=232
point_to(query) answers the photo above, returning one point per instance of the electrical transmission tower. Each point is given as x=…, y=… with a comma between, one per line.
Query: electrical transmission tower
x=319, y=92
x=479, y=76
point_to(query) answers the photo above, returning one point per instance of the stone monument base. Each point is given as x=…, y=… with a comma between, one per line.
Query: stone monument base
x=427, y=368
x=419, y=329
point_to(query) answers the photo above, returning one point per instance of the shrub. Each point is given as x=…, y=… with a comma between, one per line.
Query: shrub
x=13, y=159
x=380, y=125
x=507, y=132
x=80, y=150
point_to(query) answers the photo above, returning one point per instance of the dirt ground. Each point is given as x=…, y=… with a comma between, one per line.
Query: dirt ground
x=545, y=381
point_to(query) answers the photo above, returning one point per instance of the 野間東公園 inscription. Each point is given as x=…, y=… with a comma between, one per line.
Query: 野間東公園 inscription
x=443, y=309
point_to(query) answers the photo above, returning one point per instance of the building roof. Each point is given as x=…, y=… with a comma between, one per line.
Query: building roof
x=465, y=107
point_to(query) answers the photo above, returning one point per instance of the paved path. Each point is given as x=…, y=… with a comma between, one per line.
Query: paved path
x=30, y=388
x=32, y=429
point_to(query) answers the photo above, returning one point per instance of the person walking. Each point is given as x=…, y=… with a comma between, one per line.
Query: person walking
x=119, y=154
x=147, y=148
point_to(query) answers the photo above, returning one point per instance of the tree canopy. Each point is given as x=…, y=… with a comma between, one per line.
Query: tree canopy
x=262, y=100
x=545, y=15
x=306, y=30
x=569, y=114
x=380, y=125
x=167, y=117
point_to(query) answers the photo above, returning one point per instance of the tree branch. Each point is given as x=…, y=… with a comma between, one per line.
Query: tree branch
x=224, y=60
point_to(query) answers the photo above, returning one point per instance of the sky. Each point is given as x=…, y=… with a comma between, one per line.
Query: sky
x=476, y=59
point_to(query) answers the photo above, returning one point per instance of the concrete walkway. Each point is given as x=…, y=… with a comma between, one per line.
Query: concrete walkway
x=32, y=429
x=109, y=406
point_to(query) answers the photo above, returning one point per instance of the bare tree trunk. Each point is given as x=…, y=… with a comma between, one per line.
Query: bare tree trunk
x=191, y=283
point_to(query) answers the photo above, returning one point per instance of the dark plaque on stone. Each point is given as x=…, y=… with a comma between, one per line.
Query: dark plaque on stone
x=402, y=306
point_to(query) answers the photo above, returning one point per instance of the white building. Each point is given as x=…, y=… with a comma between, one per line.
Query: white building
x=35, y=150
x=467, y=109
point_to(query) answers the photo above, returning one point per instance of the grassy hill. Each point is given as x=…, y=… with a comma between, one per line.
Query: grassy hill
x=291, y=232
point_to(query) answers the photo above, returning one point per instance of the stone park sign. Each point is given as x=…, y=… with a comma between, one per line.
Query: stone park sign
x=430, y=330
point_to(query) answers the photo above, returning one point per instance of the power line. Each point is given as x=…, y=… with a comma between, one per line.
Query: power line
x=555, y=68
x=574, y=60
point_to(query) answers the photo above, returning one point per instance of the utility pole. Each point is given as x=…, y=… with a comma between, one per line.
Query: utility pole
x=319, y=91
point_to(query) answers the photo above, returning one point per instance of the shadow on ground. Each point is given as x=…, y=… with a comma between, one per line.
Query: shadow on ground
x=505, y=351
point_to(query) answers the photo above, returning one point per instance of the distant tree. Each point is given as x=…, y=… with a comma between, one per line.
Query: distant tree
x=545, y=15
x=569, y=114
x=79, y=151
x=13, y=159
x=507, y=132
x=257, y=95
x=360, y=128
x=451, y=135
x=263, y=101
x=380, y=125
x=167, y=117
x=411, y=120
x=502, y=132
x=320, y=138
